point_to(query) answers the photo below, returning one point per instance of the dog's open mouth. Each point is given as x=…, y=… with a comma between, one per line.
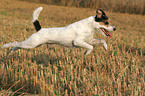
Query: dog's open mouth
x=107, y=33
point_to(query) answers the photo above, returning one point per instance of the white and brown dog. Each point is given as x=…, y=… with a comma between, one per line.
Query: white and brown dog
x=78, y=34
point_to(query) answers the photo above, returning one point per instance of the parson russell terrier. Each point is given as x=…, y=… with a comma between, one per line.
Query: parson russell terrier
x=78, y=34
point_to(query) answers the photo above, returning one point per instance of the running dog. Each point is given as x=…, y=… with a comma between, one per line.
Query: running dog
x=78, y=34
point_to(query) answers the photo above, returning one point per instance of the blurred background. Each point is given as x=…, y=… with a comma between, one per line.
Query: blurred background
x=123, y=6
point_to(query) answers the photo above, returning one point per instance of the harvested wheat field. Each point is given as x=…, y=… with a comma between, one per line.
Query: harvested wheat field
x=54, y=70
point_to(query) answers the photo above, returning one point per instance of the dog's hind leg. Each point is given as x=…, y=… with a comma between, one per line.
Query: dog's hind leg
x=10, y=45
x=18, y=45
x=81, y=43
x=100, y=41
x=14, y=44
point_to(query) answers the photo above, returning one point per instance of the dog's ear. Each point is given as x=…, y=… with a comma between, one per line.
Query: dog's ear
x=104, y=17
x=103, y=13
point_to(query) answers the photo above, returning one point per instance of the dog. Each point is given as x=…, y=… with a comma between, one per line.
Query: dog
x=78, y=34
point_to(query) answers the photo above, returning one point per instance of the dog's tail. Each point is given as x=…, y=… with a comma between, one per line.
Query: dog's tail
x=35, y=18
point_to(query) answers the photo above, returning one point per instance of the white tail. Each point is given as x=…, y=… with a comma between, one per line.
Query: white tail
x=36, y=13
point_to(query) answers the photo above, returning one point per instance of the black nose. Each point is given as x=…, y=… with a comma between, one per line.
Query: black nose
x=114, y=29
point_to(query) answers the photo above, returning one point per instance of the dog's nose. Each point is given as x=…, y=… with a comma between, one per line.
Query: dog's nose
x=114, y=29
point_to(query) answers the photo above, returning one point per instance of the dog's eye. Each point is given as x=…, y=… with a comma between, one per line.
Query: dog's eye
x=106, y=23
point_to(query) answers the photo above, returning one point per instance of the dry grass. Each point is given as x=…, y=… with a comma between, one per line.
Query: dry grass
x=123, y=6
x=55, y=70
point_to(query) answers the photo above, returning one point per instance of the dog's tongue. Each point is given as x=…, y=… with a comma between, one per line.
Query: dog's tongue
x=108, y=34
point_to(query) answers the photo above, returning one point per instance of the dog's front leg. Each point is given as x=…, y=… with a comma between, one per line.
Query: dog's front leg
x=100, y=41
x=81, y=43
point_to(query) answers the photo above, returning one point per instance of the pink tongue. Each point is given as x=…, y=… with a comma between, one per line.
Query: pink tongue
x=109, y=34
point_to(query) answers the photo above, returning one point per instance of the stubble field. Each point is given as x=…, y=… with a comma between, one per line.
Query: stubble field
x=54, y=70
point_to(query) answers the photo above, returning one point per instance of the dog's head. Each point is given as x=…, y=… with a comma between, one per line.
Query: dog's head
x=103, y=24
x=104, y=27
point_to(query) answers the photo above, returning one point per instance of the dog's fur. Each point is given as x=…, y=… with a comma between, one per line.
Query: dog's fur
x=78, y=34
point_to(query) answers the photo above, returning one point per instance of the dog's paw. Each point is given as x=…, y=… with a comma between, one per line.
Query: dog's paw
x=9, y=45
x=4, y=46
